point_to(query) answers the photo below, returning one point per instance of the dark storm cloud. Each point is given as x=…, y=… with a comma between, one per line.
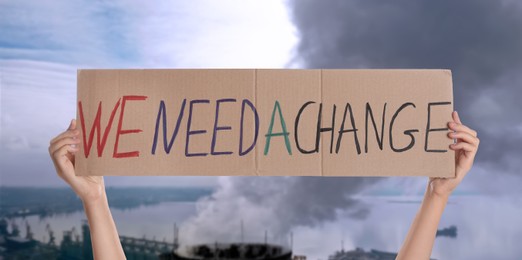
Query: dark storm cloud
x=304, y=201
x=479, y=40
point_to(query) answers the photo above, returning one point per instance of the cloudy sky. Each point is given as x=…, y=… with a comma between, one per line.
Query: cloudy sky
x=43, y=43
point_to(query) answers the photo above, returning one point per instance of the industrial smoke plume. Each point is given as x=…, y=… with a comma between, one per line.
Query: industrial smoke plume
x=480, y=41
x=272, y=204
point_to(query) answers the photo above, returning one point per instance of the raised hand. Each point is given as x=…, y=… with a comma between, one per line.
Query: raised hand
x=91, y=190
x=465, y=150
x=62, y=149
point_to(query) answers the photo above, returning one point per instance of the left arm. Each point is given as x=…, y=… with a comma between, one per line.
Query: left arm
x=91, y=190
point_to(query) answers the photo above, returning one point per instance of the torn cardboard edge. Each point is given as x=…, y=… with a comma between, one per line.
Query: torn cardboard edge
x=146, y=103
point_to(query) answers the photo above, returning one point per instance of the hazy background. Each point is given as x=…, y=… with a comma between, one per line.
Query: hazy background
x=42, y=43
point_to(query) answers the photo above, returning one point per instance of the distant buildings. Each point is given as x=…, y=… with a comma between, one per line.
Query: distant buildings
x=450, y=231
x=360, y=254
x=13, y=246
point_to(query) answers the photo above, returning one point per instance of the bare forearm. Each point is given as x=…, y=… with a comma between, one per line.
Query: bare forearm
x=421, y=236
x=104, y=235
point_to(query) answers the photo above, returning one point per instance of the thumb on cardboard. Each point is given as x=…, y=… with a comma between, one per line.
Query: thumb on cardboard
x=72, y=125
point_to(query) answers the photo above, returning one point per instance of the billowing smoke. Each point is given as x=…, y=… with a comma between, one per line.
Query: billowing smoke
x=479, y=40
x=272, y=204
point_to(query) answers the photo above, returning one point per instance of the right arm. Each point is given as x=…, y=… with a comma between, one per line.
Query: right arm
x=421, y=236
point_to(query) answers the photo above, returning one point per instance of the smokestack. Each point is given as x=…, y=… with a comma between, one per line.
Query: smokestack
x=242, y=237
x=292, y=241
x=176, y=241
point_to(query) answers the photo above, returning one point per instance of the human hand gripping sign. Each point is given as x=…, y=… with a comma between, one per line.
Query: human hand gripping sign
x=91, y=190
x=465, y=150
x=62, y=150
x=419, y=241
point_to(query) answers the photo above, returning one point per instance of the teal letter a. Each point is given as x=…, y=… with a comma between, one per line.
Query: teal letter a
x=285, y=133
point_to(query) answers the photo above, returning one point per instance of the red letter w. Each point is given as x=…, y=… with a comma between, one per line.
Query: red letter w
x=96, y=128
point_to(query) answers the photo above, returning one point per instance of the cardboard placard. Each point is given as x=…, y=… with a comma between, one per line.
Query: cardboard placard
x=265, y=122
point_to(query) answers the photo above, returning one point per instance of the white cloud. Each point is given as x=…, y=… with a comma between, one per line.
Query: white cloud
x=208, y=33
x=43, y=43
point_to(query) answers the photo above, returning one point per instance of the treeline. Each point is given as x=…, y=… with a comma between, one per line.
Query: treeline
x=26, y=201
